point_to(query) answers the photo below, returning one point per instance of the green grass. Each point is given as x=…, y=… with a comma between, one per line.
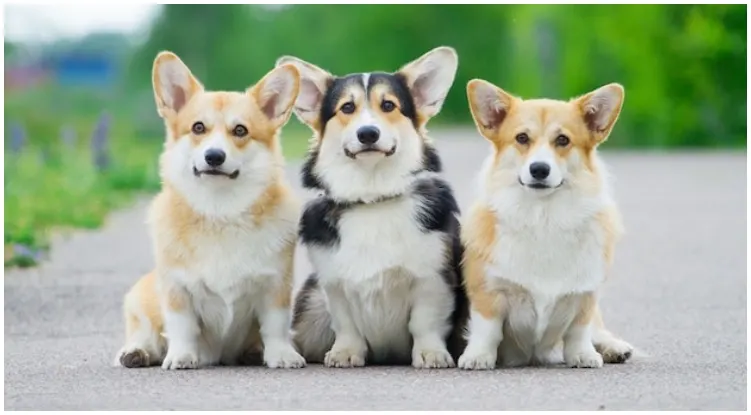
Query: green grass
x=66, y=192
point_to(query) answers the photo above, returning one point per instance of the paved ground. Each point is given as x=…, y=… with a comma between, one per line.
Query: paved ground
x=678, y=294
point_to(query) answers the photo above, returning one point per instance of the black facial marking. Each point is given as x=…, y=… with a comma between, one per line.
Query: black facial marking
x=337, y=87
x=319, y=223
x=439, y=207
x=397, y=85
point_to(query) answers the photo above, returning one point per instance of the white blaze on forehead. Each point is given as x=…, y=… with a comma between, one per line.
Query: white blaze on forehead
x=365, y=81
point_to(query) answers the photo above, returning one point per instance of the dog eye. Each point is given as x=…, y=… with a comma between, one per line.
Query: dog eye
x=198, y=128
x=562, y=141
x=348, y=108
x=240, y=131
x=388, y=106
x=522, y=138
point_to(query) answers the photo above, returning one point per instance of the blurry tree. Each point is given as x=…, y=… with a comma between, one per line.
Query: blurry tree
x=683, y=66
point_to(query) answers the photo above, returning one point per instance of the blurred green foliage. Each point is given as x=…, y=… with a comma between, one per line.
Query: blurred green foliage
x=683, y=67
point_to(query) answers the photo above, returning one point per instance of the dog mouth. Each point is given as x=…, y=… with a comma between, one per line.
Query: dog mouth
x=215, y=172
x=539, y=185
x=370, y=149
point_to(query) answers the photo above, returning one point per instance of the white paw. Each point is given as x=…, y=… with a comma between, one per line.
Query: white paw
x=584, y=359
x=614, y=350
x=283, y=356
x=478, y=360
x=432, y=359
x=181, y=360
x=344, y=357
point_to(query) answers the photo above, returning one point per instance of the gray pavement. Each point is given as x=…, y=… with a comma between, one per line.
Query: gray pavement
x=678, y=294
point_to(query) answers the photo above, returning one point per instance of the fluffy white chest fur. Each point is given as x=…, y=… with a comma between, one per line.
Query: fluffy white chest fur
x=381, y=256
x=231, y=266
x=550, y=248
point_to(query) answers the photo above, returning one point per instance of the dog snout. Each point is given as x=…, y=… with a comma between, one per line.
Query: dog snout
x=214, y=157
x=368, y=134
x=539, y=170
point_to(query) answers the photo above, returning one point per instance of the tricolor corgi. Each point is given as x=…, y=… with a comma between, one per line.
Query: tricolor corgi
x=383, y=236
x=540, y=238
x=224, y=229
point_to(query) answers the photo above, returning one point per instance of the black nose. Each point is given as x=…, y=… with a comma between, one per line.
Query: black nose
x=214, y=157
x=368, y=134
x=539, y=170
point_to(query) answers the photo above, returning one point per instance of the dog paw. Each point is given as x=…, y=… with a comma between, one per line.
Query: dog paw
x=284, y=357
x=584, y=359
x=614, y=350
x=343, y=358
x=479, y=360
x=181, y=360
x=432, y=359
x=132, y=358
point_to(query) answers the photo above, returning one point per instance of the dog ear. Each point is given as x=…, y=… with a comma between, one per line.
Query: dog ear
x=429, y=78
x=600, y=109
x=489, y=106
x=313, y=84
x=276, y=93
x=174, y=85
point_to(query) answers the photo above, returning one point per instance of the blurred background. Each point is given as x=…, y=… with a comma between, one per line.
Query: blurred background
x=82, y=134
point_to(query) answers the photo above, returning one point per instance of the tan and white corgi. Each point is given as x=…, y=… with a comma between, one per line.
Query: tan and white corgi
x=224, y=228
x=540, y=238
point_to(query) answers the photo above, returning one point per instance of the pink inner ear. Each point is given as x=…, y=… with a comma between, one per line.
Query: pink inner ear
x=269, y=107
x=178, y=98
x=494, y=116
x=595, y=119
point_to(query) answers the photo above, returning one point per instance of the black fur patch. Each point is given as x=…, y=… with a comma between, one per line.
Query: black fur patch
x=319, y=223
x=309, y=178
x=430, y=159
x=302, y=302
x=439, y=207
x=397, y=84
x=337, y=87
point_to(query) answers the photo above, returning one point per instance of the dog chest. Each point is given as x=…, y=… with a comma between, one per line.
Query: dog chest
x=547, y=261
x=373, y=239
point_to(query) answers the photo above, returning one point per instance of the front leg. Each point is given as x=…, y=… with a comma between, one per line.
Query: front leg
x=181, y=328
x=429, y=323
x=349, y=347
x=578, y=350
x=274, y=319
x=488, y=309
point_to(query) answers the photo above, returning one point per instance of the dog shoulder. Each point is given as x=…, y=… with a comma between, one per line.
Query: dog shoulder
x=438, y=208
x=319, y=222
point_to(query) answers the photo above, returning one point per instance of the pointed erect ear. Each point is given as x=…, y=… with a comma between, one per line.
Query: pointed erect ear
x=313, y=84
x=489, y=105
x=276, y=93
x=600, y=109
x=173, y=84
x=430, y=77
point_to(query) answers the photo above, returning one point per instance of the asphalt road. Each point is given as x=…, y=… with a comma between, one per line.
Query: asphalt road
x=678, y=294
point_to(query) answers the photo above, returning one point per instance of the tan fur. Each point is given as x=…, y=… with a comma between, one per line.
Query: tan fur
x=587, y=309
x=180, y=232
x=478, y=237
x=610, y=221
x=501, y=117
